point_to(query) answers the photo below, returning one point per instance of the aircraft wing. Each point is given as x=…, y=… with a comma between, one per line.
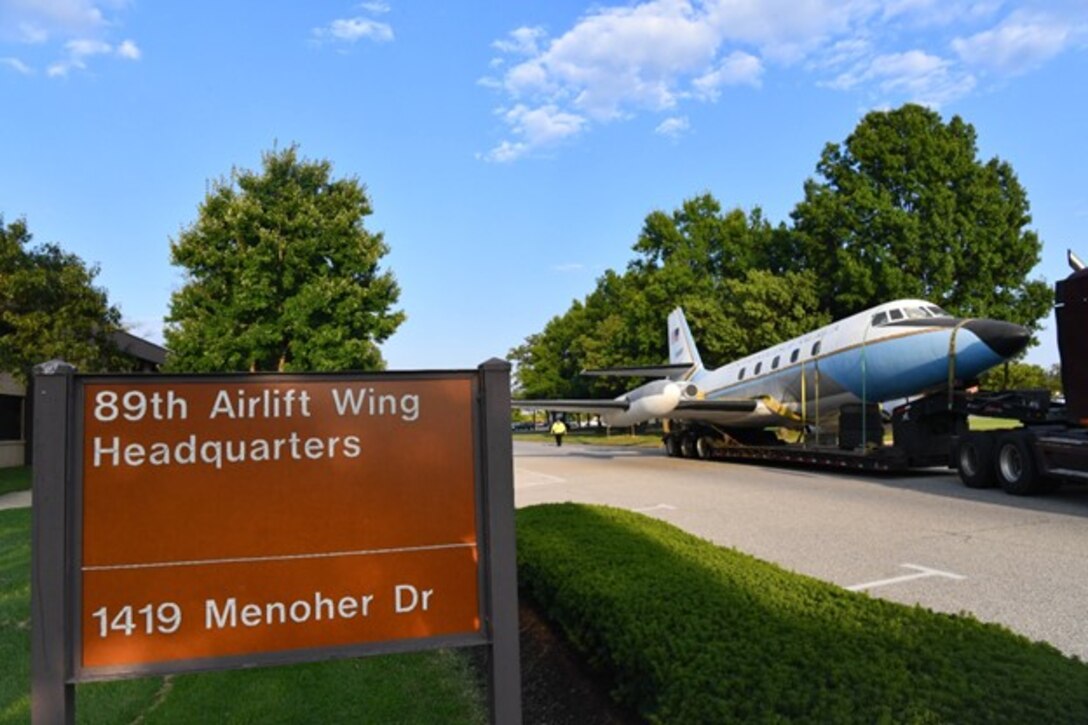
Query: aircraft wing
x=717, y=406
x=572, y=406
x=672, y=372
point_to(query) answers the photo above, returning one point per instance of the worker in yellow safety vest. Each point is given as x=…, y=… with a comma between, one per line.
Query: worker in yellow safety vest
x=559, y=429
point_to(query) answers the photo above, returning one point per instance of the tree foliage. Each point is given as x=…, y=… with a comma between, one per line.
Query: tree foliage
x=906, y=209
x=1022, y=376
x=281, y=275
x=715, y=265
x=51, y=309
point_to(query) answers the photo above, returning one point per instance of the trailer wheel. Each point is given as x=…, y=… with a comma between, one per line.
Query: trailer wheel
x=704, y=448
x=974, y=460
x=1015, y=466
x=672, y=446
x=687, y=446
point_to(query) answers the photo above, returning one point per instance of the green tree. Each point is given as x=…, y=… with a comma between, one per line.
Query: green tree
x=50, y=308
x=1022, y=376
x=719, y=266
x=281, y=275
x=906, y=209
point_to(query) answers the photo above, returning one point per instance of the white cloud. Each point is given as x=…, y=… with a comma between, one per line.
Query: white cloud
x=841, y=53
x=129, y=50
x=620, y=60
x=17, y=65
x=673, y=127
x=350, y=30
x=913, y=75
x=354, y=29
x=785, y=30
x=84, y=47
x=78, y=51
x=938, y=13
x=505, y=152
x=72, y=32
x=38, y=21
x=375, y=8
x=1017, y=45
x=535, y=128
x=738, y=68
x=523, y=41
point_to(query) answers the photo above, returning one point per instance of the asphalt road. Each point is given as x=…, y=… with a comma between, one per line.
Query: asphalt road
x=925, y=539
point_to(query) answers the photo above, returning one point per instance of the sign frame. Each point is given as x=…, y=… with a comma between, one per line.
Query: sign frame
x=57, y=581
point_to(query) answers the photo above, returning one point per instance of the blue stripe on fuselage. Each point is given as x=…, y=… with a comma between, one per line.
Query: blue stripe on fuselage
x=900, y=366
x=895, y=367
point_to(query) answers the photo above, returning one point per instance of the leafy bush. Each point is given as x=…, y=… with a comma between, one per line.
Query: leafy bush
x=690, y=632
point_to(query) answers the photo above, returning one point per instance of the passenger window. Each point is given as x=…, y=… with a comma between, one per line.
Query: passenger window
x=794, y=355
x=740, y=376
x=816, y=349
x=880, y=318
x=759, y=366
x=774, y=363
x=896, y=315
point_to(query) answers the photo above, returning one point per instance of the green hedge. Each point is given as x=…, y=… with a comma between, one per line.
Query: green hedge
x=692, y=633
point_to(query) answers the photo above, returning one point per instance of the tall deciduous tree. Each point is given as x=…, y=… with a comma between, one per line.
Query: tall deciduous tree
x=50, y=308
x=906, y=209
x=719, y=266
x=282, y=275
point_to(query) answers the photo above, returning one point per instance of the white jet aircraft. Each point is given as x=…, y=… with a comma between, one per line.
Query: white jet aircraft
x=892, y=351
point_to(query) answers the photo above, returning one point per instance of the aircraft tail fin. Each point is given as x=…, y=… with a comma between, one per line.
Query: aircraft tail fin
x=682, y=349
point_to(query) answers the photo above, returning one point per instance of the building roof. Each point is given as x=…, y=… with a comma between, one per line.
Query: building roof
x=139, y=348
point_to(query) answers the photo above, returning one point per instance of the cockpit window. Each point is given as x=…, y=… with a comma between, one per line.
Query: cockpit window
x=915, y=313
x=937, y=311
x=896, y=314
x=880, y=318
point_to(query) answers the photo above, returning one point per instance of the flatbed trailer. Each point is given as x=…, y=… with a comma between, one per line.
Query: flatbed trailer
x=882, y=460
x=1049, y=449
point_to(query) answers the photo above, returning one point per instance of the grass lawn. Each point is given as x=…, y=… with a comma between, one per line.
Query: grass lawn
x=982, y=423
x=689, y=632
x=432, y=687
x=14, y=479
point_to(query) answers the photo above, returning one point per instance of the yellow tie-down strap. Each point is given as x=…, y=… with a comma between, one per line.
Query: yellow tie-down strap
x=779, y=408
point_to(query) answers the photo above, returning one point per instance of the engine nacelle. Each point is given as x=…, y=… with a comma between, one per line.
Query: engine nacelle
x=652, y=400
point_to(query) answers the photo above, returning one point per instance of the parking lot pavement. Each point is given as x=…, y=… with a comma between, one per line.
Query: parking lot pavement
x=916, y=539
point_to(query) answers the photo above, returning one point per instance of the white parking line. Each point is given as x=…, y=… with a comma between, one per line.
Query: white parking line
x=536, y=478
x=659, y=507
x=923, y=572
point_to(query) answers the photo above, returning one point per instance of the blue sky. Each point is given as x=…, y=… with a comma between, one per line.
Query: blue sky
x=511, y=150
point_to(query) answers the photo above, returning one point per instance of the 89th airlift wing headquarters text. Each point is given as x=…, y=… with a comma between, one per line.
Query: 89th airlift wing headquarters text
x=228, y=518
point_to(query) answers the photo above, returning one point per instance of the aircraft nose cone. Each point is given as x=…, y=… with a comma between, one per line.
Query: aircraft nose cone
x=1004, y=338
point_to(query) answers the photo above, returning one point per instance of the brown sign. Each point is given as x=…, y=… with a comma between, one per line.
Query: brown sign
x=230, y=518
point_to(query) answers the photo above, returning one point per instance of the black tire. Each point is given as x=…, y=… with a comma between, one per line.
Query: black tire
x=704, y=448
x=1014, y=466
x=687, y=446
x=975, y=460
x=672, y=446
